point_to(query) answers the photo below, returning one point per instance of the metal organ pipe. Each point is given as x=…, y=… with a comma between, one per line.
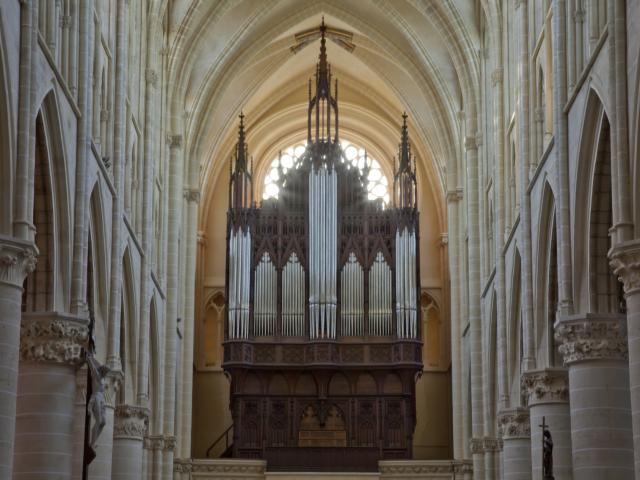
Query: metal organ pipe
x=239, y=276
x=293, y=297
x=265, y=297
x=380, y=306
x=352, y=300
x=323, y=251
x=406, y=286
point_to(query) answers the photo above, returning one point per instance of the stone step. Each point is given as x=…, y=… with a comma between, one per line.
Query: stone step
x=321, y=476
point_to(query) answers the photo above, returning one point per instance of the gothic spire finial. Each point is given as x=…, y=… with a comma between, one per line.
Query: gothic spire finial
x=322, y=65
x=405, y=148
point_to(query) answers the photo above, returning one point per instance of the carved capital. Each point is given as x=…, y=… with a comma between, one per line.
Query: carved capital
x=454, y=195
x=492, y=444
x=17, y=260
x=53, y=337
x=496, y=76
x=514, y=423
x=192, y=195
x=105, y=113
x=476, y=445
x=151, y=77
x=174, y=141
x=590, y=337
x=130, y=421
x=625, y=261
x=470, y=143
x=169, y=444
x=65, y=21
x=182, y=466
x=538, y=114
x=519, y=3
x=545, y=386
x=153, y=442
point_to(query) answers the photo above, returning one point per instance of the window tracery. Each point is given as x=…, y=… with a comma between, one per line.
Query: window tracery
x=378, y=186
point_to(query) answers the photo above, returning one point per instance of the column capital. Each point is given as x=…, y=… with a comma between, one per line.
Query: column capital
x=130, y=421
x=476, y=446
x=174, y=141
x=470, y=143
x=592, y=337
x=151, y=77
x=514, y=423
x=153, y=442
x=454, y=195
x=492, y=444
x=169, y=443
x=53, y=337
x=192, y=195
x=550, y=385
x=496, y=76
x=17, y=260
x=624, y=258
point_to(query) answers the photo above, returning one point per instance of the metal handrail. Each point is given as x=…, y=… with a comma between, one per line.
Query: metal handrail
x=224, y=435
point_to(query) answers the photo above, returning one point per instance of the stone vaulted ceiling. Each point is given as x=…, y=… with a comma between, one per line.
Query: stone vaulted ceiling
x=229, y=55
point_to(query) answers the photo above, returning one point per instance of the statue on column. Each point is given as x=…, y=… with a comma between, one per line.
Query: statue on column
x=96, y=407
x=547, y=455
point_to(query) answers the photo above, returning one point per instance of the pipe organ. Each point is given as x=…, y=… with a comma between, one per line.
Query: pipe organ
x=322, y=334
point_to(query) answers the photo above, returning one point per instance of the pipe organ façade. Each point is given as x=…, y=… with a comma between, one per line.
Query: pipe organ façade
x=322, y=340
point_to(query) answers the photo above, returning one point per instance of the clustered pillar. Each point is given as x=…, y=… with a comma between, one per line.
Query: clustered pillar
x=130, y=427
x=625, y=259
x=17, y=260
x=51, y=349
x=547, y=393
x=516, y=436
x=594, y=347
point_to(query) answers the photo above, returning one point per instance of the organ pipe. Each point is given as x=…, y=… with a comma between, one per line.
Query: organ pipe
x=323, y=248
x=352, y=283
x=239, y=273
x=293, y=298
x=380, y=306
x=406, y=284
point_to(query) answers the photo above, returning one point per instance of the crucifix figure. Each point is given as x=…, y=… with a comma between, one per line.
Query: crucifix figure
x=547, y=452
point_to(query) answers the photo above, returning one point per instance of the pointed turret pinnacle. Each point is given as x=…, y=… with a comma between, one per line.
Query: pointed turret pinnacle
x=241, y=154
x=405, y=147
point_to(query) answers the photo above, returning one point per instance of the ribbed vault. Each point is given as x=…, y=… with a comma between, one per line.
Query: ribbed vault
x=226, y=56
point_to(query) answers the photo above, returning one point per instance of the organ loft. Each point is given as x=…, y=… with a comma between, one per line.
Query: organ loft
x=322, y=337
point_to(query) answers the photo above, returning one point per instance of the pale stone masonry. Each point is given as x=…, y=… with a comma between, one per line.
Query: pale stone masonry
x=117, y=122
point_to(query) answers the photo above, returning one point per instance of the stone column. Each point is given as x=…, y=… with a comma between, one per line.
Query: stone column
x=130, y=427
x=17, y=260
x=492, y=447
x=625, y=260
x=594, y=347
x=51, y=348
x=516, y=435
x=547, y=393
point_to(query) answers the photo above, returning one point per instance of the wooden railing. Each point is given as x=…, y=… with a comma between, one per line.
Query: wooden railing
x=224, y=436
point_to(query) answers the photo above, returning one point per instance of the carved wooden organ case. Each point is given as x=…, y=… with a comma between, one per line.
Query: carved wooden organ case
x=322, y=336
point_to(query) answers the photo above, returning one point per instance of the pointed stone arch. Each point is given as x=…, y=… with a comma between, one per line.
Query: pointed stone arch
x=128, y=330
x=7, y=145
x=514, y=333
x=546, y=290
x=596, y=288
x=48, y=288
